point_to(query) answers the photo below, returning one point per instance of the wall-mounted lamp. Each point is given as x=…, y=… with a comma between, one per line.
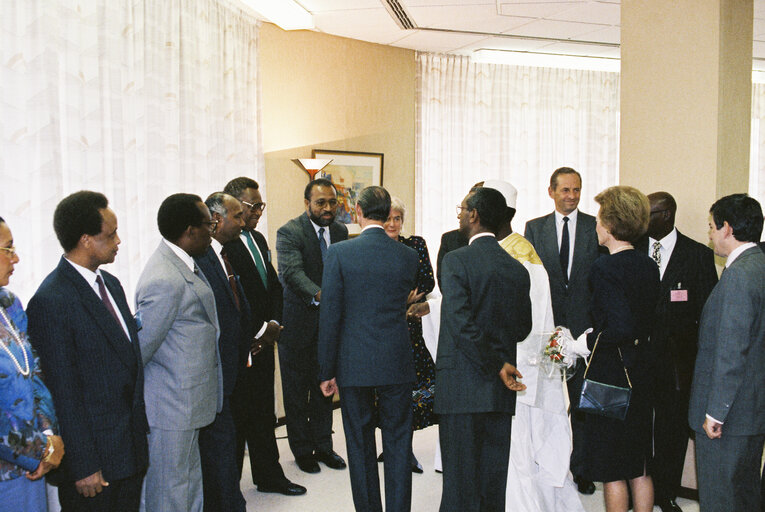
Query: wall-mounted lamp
x=312, y=165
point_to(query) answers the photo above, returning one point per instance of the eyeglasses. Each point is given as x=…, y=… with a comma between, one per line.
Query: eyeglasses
x=460, y=208
x=321, y=203
x=212, y=224
x=256, y=206
x=10, y=250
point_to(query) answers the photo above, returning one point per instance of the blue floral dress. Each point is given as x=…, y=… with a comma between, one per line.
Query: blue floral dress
x=425, y=368
x=26, y=406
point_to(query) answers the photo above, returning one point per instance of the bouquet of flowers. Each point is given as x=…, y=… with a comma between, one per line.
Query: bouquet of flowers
x=555, y=358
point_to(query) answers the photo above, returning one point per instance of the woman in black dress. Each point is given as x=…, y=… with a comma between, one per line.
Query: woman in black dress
x=422, y=393
x=625, y=290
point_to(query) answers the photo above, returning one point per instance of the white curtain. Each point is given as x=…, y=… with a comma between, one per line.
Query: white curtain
x=757, y=147
x=137, y=99
x=490, y=121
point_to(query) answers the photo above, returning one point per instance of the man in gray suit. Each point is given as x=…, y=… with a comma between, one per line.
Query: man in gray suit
x=567, y=245
x=301, y=245
x=485, y=311
x=183, y=386
x=364, y=348
x=727, y=408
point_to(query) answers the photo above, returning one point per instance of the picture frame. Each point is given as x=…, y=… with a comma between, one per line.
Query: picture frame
x=350, y=172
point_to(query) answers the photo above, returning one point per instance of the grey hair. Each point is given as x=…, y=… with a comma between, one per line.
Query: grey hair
x=215, y=204
x=398, y=205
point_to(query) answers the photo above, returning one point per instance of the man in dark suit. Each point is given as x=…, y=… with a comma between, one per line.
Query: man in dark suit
x=688, y=274
x=364, y=349
x=301, y=244
x=567, y=244
x=450, y=241
x=81, y=326
x=727, y=407
x=217, y=441
x=485, y=311
x=253, y=398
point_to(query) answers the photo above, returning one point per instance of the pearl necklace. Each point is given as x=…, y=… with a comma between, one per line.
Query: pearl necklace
x=17, y=337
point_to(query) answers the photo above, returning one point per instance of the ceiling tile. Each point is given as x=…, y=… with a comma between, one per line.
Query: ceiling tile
x=580, y=49
x=611, y=35
x=373, y=25
x=503, y=43
x=555, y=29
x=479, y=18
x=315, y=6
x=536, y=9
x=591, y=12
x=436, y=41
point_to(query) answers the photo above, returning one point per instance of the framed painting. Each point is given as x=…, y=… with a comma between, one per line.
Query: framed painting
x=350, y=172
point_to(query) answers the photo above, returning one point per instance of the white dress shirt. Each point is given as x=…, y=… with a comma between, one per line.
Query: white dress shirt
x=571, y=235
x=665, y=251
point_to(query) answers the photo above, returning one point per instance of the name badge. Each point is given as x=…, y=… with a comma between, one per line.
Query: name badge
x=678, y=296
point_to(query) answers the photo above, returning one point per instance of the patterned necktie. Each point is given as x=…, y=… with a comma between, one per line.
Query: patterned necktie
x=564, y=250
x=231, y=279
x=258, y=259
x=656, y=254
x=322, y=243
x=105, y=299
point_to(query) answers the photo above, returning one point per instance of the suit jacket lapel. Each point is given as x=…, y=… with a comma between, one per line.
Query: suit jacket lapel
x=550, y=245
x=335, y=233
x=218, y=273
x=312, y=240
x=92, y=303
x=669, y=279
x=579, y=240
x=124, y=309
x=196, y=282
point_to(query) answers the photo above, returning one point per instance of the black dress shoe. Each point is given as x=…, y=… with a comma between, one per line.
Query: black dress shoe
x=284, y=487
x=307, y=463
x=330, y=459
x=584, y=486
x=668, y=506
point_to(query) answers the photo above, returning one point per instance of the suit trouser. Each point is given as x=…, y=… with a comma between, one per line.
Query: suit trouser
x=728, y=471
x=308, y=412
x=394, y=405
x=121, y=496
x=475, y=450
x=670, y=432
x=217, y=451
x=253, y=409
x=174, y=479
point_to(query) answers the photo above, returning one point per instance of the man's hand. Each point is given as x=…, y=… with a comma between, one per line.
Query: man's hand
x=268, y=338
x=43, y=468
x=329, y=387
x=418, y=310
x=317, y=297
x=91, y=485
x=414, y=297
x=508, y=374
x=713, y=428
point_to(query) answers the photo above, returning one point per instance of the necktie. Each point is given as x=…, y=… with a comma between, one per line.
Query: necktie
x=322, y=243
x=564, y=249
x=656, y=254
x=231, y=279
x=258, y=259
x=105, y=299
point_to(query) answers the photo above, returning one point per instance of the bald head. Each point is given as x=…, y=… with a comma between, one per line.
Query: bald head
x=663, y=209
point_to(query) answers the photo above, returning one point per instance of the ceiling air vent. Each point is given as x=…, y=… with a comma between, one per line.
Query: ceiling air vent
x=399, y=15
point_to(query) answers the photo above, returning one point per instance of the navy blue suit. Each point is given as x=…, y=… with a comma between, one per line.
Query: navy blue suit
x=96, y=378
x=217, y=441
x=364, y=343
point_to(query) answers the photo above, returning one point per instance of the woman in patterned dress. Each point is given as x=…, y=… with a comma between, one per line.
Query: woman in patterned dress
x=29, y=447
x=425, y=368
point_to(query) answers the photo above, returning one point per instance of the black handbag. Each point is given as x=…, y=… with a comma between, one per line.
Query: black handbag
x=605, y=399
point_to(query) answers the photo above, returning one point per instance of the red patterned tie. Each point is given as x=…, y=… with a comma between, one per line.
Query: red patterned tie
x=231, y=279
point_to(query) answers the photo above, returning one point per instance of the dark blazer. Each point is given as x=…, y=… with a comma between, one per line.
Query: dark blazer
x=235, y=327
x=570, y=304
x=449, y=241
x=265, y=305
x=94, y=373
x=485, y=311
x=729, y=381
x=674, y=339
x=363, y=336
x=300, y=272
